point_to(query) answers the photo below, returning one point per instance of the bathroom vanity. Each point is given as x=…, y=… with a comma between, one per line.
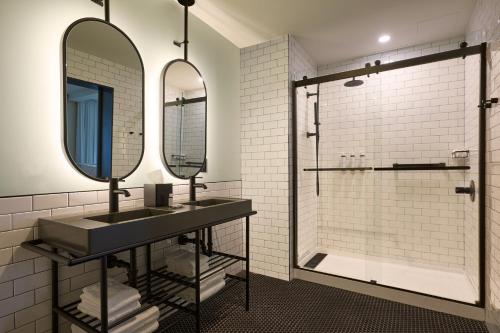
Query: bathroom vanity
x=104, y=141
x=79, y=239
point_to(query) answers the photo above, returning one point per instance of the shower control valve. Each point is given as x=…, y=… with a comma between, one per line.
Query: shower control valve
x=471, y=190
x=488, y=103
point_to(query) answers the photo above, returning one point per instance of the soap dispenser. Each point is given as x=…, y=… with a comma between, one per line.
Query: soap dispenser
x=158, y=195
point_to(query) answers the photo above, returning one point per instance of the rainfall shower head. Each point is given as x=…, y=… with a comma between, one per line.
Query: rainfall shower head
x=353, y=83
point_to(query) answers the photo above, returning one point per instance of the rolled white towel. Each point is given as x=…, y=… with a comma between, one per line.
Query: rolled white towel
x=94, y=310
x=119, y=294
x=190, y=294
x=146, y=322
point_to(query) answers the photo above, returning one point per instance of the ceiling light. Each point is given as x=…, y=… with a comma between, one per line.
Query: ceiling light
x=200, y=79
x=384, y=38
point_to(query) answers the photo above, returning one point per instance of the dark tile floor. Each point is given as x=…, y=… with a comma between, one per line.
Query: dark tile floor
x=302, y=307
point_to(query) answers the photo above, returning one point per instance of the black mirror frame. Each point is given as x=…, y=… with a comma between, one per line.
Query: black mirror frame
x=165, y=161
x=65, y=78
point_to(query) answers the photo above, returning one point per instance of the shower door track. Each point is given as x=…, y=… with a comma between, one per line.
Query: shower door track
x=480, y=50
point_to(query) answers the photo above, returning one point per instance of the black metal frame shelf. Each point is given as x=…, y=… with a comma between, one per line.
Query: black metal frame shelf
x=158, y=287
x=161, y=291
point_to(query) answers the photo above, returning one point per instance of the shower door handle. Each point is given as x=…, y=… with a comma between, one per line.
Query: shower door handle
x=471, y=190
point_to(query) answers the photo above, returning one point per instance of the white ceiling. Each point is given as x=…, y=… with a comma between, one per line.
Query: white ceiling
x=335, y=30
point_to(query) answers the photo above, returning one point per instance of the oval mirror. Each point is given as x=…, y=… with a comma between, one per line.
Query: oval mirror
x=184, y=119
x=104, y=100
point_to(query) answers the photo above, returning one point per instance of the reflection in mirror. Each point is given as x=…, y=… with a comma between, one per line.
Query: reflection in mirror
x=104, y=100
x=184, y=117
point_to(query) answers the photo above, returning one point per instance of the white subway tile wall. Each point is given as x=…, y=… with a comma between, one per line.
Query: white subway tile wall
x=483, y=26
x=185, y=145
x=25, y=276
x=308, y=204
x=265, y=117
x=411, y=115
x=127, y=103
x=471, y=227
x=493, y=194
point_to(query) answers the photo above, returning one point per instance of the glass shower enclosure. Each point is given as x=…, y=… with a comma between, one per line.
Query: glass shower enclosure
x=389, y=174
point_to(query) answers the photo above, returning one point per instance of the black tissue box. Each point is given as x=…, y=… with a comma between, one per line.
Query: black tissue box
x=157, y=195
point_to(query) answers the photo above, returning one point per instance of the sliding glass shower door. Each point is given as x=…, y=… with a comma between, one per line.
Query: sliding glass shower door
x=397, y=154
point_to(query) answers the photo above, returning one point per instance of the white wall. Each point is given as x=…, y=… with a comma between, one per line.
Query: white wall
x=264, y=153
x=33, y=158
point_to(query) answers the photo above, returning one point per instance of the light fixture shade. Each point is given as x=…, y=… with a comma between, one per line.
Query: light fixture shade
x=384, y=38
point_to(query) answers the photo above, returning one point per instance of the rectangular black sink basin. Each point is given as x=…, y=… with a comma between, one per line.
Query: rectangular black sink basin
x=208, y=202
x=129, y=216
x=97, y=233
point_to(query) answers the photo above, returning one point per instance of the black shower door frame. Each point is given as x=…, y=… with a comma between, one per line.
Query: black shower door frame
x=483, y=105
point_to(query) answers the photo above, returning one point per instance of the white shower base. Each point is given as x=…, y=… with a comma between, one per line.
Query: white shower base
x=447, y=284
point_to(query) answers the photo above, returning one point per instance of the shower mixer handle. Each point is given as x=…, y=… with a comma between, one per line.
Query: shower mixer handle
x=471, y=190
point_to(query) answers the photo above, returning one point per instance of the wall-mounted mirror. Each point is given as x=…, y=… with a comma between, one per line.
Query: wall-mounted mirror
x=184, y=119
x=104, y=100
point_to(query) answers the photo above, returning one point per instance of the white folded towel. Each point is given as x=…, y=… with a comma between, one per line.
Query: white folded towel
x=119, y=294
x=185, y=250
x=213, y=279
x=190, y=294
x=182, y=262
x=145, y=322
x=94, y=310
x=148, y=328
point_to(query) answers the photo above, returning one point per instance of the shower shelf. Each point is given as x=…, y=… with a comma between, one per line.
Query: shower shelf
x=399, y=167
x=416, y=167
x=340, y=169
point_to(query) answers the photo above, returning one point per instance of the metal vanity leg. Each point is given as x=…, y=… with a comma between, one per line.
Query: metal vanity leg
x=247, y=254
x=104, y=294
x=148, y=269
x=133, y=268
x=197, y=282
x=210, y=243
x=55, y=295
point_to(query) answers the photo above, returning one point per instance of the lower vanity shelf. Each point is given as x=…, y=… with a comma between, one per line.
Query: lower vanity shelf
x=159, y=290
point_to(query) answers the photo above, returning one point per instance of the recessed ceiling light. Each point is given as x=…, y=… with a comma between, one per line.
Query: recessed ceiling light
x=384, y=38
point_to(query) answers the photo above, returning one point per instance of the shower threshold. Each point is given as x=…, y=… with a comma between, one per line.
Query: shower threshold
x=432, y=281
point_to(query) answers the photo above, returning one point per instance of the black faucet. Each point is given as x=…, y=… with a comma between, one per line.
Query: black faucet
x=192, y=188
x=114, y=191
